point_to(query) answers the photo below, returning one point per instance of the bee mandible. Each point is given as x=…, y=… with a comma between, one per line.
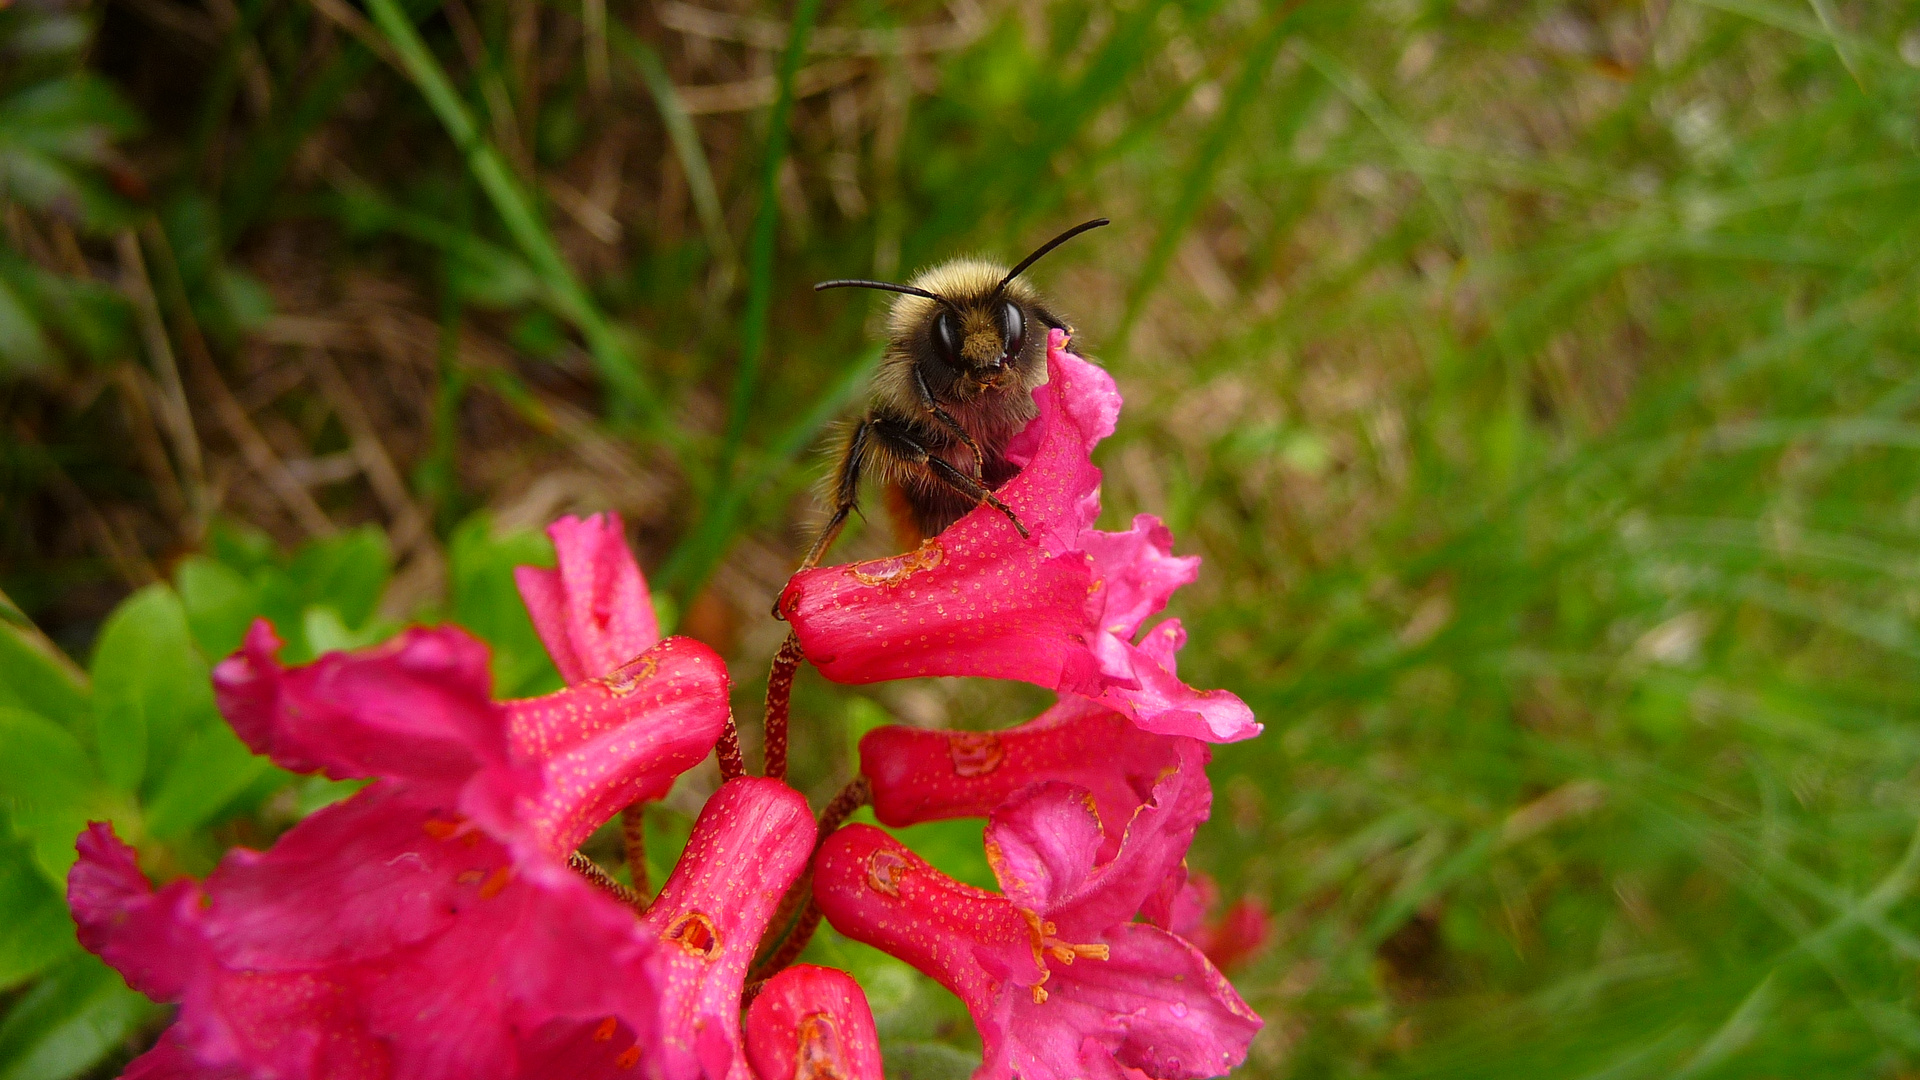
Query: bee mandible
x=966, y=347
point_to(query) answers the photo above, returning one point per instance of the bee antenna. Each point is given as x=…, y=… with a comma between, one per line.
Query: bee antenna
x=885, y=286
x=1046, y=247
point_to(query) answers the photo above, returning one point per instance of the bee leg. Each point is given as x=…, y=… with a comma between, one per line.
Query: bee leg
x=966, y=485
x=895, y=438
x=846, y=499
x=947, y=421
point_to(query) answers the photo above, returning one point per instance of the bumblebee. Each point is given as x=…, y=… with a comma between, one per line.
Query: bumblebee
x=966, y=348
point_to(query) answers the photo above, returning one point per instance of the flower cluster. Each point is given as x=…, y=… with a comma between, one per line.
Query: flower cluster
x=440, y=922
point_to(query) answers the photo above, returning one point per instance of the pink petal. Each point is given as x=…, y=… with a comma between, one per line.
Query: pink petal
x=593, y=612
x=1042, y=844
x=1141, y=685
x=1180, y=905
x=920, y=775
x=170, y=1059
x=750, y=843
x=1136, y=572
x=1240, y=932
x=1152, y=1004
x=1154, y=848
x=604, y=743
x=412, y=949
x=973, y=942
x=812, y=1023
x=1155, y=1005
x=122, y=920
x=417, y=707
x=548, y=769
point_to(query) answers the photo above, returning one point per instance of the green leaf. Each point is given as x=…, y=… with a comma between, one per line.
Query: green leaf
x=49, y=788
x=920, y=1060
x=211, y=770
x=314, y=793
x=955, y=848
x=90, y=319
x=81, y=1012
x=54, y=136
x=39, y=678
x=23, y=347
x=50, y=831
x=347, y=573
x=220, y=603
x=35, y=929
x=42, y=765
x=486, y=601
x=151, y=686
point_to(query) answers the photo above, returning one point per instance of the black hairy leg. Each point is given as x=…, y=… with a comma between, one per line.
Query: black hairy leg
x=892, y=437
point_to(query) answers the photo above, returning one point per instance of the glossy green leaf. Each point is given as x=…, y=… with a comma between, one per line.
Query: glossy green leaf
x=220, y=602
x=80, y=1013
x=151, y=687
x=34, y=676
x=212, y=768
x=35, y=929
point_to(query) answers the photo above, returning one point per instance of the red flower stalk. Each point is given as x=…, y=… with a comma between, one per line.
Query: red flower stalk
x=1060, y=610
x=812, y=1023
x=1059, y=980
x=429, y=926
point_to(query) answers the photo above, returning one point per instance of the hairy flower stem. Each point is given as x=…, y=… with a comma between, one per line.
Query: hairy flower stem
x=786, y=663
x=797, y=907
x=590, y=870
x=633, y=834
x=732, y=765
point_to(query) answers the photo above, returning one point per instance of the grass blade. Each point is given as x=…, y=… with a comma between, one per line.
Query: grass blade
x=612, y=357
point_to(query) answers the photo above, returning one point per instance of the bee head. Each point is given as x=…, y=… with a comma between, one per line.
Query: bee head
x=972, y=325
x=976, y=329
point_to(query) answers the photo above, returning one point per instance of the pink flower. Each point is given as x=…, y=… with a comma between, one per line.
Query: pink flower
x=919, y=775
x=429, y=926
x=1057, y=978
x=375, y=940
x=1229, y=939
x=552, y=768
x=1060, y=610
x=592, y=611
x=752, y=840
x=812, y=1023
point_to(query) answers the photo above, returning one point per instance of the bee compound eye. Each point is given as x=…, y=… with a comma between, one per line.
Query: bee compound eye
x=1013, y=327
x=946, y=337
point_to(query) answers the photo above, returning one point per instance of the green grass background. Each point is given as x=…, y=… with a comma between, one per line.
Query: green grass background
x=1540, y=382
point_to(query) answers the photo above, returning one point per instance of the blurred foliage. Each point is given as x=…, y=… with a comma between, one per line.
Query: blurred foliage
x=1537, y=378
